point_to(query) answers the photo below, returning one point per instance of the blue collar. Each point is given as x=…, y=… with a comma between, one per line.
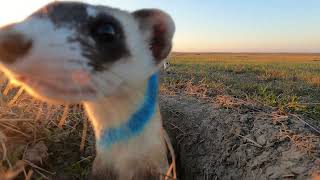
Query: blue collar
x=137, y=121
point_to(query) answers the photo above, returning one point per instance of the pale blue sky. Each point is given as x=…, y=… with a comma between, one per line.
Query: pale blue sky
x=224, y=25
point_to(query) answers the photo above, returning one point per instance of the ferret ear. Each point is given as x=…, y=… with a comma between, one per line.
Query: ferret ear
x=158, y=29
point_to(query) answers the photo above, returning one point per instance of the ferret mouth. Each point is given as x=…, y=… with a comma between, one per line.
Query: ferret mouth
x=54, y=90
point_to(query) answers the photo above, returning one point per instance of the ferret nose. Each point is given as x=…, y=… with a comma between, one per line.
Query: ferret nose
x=13, y=46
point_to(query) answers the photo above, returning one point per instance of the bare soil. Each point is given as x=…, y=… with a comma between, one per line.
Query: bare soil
x=238, y=140
x=217, y=138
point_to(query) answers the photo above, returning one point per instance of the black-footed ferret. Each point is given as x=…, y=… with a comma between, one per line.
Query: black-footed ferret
x=108, y=60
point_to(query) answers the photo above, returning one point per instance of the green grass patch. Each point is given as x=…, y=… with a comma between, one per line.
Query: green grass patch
x=290, y=82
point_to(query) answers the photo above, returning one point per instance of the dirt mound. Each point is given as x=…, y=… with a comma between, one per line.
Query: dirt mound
x=246, y=141
x=220, y=138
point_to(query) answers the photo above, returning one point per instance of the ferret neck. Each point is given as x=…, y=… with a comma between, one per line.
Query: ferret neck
x=117, y=120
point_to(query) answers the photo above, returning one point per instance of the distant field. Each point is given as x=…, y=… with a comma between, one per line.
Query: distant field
x=236, y=92
x=244, y=58
x=290, y=82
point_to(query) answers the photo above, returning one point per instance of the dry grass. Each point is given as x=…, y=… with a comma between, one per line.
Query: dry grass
x=286, y=82
x=227, y=101
x=25, y=124
x=314, y=80
x=271, y=75
x=304, y=142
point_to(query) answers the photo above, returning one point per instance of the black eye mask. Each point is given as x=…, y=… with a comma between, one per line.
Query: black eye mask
x=106, y=31
x=102, y=38
x=109, y=39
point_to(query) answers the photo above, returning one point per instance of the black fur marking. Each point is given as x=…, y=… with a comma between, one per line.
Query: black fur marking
x=144, y=13
x=14, y=46
x=73, y=15
x=105, y=51
x=64, y=13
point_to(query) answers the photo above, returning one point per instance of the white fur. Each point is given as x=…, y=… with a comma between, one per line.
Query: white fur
x=51, y=49
x=50, y=58
x=140, y=65
x=118, y=89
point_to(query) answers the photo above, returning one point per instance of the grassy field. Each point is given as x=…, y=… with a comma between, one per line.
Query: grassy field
x=290, y=82
x=56, y=141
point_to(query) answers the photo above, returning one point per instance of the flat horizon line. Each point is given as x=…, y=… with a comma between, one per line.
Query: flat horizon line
x=242, y=52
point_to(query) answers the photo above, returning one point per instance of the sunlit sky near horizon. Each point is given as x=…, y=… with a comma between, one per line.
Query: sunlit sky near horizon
x=219, y=25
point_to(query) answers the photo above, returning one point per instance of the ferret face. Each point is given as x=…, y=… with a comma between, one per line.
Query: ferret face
x=73, y=52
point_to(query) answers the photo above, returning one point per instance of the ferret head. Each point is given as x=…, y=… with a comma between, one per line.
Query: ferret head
x=73, y=52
